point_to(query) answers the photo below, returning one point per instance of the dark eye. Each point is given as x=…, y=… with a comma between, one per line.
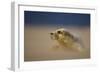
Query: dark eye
x=51, y=33
x=59, y=32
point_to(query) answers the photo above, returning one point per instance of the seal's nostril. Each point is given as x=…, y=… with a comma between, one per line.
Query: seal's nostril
x=51, y=33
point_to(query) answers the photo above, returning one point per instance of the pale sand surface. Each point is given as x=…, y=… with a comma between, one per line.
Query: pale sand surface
x=39, y=46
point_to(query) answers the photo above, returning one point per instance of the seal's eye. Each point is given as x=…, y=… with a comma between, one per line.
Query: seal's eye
x=59, y=32
x=51, y=33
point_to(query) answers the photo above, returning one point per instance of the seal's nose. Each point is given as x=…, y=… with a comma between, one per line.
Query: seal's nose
x=51, y=33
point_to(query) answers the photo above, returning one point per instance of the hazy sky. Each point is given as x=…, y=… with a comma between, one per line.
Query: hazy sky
x=53, y=18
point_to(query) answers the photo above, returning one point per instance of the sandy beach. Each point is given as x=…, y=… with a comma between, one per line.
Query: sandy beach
x=38, y=45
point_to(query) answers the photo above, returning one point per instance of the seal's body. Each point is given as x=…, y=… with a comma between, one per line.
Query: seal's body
x=66, y=39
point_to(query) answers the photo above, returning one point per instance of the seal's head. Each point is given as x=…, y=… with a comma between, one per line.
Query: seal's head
x=60, y=34
x=66, y=38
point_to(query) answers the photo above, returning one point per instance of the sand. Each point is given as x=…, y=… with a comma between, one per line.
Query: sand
x=38, y=46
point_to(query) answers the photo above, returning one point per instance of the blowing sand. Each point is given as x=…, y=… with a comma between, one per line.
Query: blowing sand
x=38, y=45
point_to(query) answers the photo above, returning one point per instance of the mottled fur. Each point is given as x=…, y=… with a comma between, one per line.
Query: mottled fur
x=66, y=39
